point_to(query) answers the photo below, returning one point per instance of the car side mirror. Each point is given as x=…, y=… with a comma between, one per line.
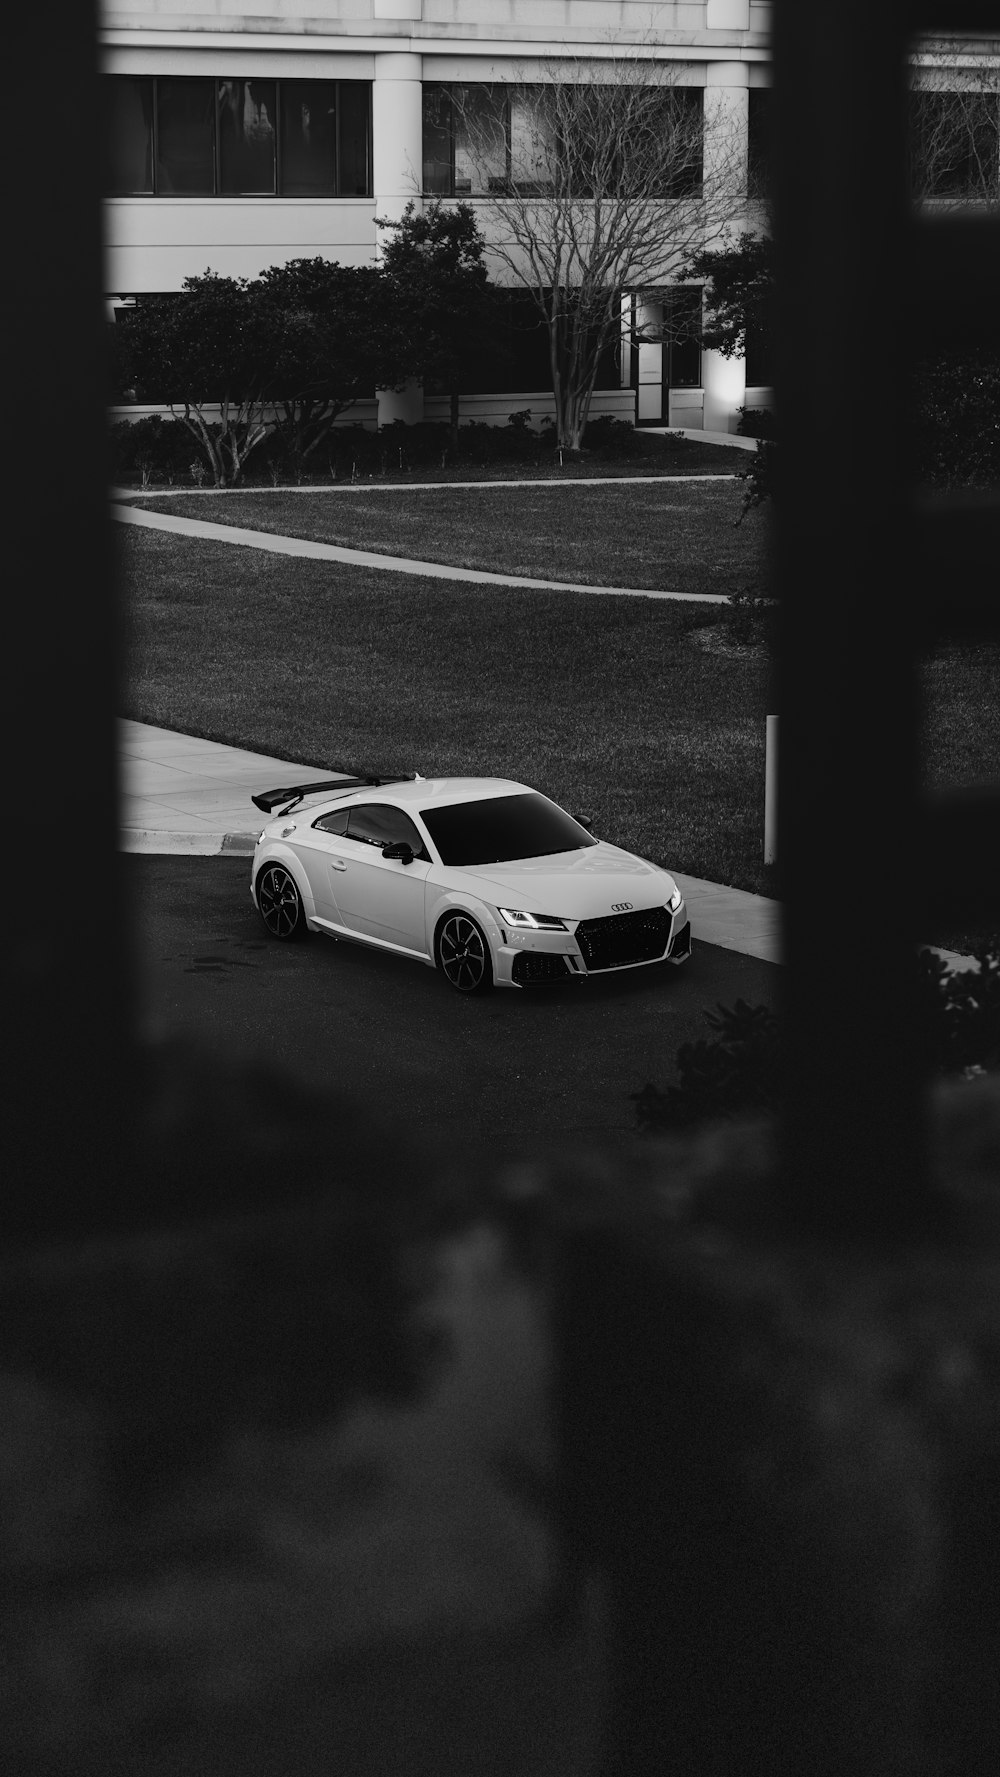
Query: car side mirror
x=584, y=820
x=400, y=849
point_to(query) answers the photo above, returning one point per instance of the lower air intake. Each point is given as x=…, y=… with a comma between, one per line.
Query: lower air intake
x=682, y=942
x=530, y=967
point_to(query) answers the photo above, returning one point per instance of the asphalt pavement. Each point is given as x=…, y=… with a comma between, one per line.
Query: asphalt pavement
x=387, y=1045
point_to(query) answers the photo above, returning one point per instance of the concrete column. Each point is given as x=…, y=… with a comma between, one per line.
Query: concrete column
x=397, y=178
x=724, y=381
x=727, y=115
x=727, y=112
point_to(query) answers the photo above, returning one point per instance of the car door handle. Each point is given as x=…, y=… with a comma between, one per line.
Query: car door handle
x=336, y=864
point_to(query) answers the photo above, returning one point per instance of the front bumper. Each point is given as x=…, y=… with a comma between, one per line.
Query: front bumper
x=528, y=959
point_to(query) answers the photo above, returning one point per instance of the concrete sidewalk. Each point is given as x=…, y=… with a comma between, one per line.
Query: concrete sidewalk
x=367, y=558
x=181, y=794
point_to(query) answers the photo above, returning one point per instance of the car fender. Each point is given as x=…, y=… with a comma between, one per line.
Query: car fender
x=274, y=852
x=441, y=900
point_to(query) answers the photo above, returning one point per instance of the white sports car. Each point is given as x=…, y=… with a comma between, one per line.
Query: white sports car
x=485, y=879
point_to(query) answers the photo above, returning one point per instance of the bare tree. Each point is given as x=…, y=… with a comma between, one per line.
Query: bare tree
x=955, y=131
x=602, y=184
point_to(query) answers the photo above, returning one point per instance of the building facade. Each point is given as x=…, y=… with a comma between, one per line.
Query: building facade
x=250, y=132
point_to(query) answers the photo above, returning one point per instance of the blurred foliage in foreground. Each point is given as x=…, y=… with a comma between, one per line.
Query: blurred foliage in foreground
x=737, y=1071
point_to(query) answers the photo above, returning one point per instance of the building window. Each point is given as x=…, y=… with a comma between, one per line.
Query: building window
x=482, y=141
x=516, y=359
x=130, y=130
x=247, y=158
x=239, y=138
x=184, y=137
x=955, y=145
x=682, y=338
x=757, y=353
x=759, y=142
x=307, y=137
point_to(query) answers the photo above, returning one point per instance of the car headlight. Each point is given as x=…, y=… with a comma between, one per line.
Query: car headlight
x=531, y=922
x=675, y=901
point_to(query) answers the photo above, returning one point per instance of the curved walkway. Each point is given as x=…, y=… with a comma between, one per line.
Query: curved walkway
x=365, y=558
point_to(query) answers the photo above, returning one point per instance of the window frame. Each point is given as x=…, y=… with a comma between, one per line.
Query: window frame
x=678, y=296
x=359, y=808
x=760, y=138
x=508, y=91
x=319, y=824
x=280, y=83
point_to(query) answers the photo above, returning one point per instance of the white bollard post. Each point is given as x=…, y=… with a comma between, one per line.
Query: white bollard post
x=771, y=792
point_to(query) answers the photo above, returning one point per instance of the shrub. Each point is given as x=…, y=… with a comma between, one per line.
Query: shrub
x=612, y=437
x=158, y=449
x=955, y=431
x=755, y=422
x=152, y=449
x=737, y=1072
x=750, y=616
x=959, y=1012
x=758, y=480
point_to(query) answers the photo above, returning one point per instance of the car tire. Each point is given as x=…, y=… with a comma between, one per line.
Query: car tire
x=280, y=904
x=463, y=955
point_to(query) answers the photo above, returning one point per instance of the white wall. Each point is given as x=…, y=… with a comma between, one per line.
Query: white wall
x=567, y=21
x=155, y=243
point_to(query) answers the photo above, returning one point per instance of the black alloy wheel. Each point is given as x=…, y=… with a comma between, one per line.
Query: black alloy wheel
x=280, y=903
x=463, y=954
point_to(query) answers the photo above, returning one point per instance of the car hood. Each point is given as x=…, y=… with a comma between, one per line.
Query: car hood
x=585, y=884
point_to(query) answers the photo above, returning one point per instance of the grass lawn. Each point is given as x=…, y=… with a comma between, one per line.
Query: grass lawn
x=671, y=536
x=611, y=705
x=606, y=704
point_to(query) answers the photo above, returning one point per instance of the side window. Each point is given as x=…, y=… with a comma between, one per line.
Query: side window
x=379, y=824
x=334, y=822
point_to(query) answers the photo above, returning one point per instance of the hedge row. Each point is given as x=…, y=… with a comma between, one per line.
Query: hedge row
x=157, y=450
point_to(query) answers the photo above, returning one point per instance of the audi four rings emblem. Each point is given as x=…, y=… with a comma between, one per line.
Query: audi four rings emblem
x=621, y=906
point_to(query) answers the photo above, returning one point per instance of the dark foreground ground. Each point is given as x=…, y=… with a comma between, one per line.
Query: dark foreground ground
x=512, y=1074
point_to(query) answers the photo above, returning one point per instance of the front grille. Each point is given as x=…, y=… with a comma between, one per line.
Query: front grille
x=530, y=966
x=624, y=938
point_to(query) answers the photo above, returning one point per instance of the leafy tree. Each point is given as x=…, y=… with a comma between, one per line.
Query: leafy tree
x=202, y=348
x=333, y=336
x=433, y=262
x=738, y=284
x=287, y=352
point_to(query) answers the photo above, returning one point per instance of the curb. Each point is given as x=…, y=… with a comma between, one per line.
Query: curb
x=191, y=845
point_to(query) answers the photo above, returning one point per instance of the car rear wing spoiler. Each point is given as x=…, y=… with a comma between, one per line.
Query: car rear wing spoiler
x=269, y=800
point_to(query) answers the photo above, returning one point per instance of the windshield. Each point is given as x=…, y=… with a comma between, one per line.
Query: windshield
x=503, y=827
